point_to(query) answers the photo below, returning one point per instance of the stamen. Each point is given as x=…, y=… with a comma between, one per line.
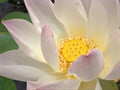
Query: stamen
x=72, y=48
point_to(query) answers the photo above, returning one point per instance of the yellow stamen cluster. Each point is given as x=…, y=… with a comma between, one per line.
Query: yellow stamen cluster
x=70, y=49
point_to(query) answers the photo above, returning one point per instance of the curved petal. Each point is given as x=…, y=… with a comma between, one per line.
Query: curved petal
x=44, y=81
x=80, y=7
x=20, y=72
x=112, y=10
x=87, y=67
x=58, y=85
x=97, y=24
x=67, y=12
x=98, y=86
x=49, y=47
x=86, y=4
x=23, y=33
x=16, y=65
x=112, y=52
x=41, y=13
x=115, y=73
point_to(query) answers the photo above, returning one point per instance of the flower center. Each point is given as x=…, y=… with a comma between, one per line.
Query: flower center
x=72, y=48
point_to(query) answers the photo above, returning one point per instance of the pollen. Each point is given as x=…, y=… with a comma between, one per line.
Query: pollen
x=72, y=48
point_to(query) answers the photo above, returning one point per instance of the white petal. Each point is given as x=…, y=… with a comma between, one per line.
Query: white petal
x=16, y=65
x=98, y=86
x=49, y=47
x=20, y=72
x=87, y=67
x=112, y=52
x=86, y=4
x=41, y=14
x=58, y=85
x=112, y=10
x=23, y=33
x=97, y=24
x=80, y=7
x=69, y=14
x=45, y=81
x=115, y=73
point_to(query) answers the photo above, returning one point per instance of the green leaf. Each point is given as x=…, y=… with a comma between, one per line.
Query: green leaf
x=6, y=42
x=108, y=84
x=7, y=84
x=1, y=1
x=14, y=15
x=2, y=28
x=17, y=15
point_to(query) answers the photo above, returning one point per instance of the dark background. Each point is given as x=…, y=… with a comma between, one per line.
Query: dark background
x=12, y=5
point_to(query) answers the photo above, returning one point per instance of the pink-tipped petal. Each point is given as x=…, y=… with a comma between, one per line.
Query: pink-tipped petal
x=41, y=14
x=49, y=47
x=87, y=67
x=33, y=85
x=61, y=85
x=23, y=32
x=115, y=73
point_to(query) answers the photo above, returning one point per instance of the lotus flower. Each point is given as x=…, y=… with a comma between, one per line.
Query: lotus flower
x=68, y=42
